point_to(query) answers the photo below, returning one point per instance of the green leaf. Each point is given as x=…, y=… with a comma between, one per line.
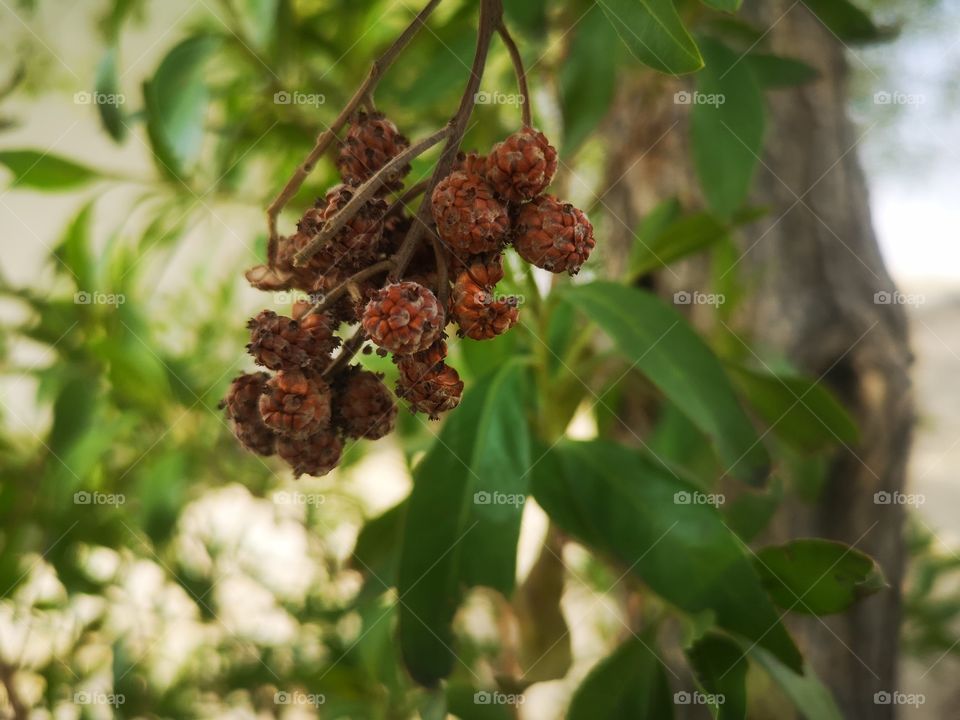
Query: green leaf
x=587, y=79
x=808, y=694
x=377, y=548
x=463, y=519
x=663, y=346
x=847, y=21
x=654, y=34
x=72, y=412
x=176, y=103
x=630, y=509
x=74, y=250
x=721, y=669
x=528, y=15
x=259, y=19
x=750, y=512
x=108, y=96
x=725, y=5
x=468, y=703
x=43, y=171
x=683, y=237
x=726, y=125
x=629, y=683
x=802, y=412
x=818, y=577
x=775, y=71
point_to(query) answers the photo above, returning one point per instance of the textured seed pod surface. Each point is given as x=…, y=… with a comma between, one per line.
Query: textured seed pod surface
x=522, y=166
x=371, y=142
x=430, y=388
x=282, y=343
x=242, y=406
x=553, y=235
x=469, y=218
x=295, y=405
x=364, y=406
x=316, y=454
x=403, y=317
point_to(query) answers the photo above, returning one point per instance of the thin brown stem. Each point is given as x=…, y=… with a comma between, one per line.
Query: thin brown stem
x=443, y=276
x=331, y=297
x=409, y=194
x=517, y=61
x=491, y=14
x=363, y=193
x=350, y=348
x=326, y=138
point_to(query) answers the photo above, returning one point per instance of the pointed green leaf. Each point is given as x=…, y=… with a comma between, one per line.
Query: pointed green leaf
x=629, y=683
x=463, y=518
x=632, y=510
x=109, y=99
x=808, y=694
x=721, y=669
x=685, y=236
x=775, y=71
x=654, y=34
x=847, y=21
x=818, y=577
x=43, y=171
x=660, y=343
x=726, y=125
x=725, y=5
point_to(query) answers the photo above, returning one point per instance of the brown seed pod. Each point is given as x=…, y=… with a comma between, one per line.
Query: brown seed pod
x=371, y=142
x=430, y=387
x=403, y=317
x=522, y=166
x=364, y=406
x=469, y=218
x=553, y=235
x=241, y=404
x=316, y=454
x=282, y=343
x=295, y=405
x=476, y=309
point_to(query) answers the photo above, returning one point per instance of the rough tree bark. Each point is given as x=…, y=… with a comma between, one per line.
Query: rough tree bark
x=813, y=266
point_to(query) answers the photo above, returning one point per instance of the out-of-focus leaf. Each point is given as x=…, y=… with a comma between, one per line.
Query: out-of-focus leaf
x=725, y=5
x=803, y=413
x=625, y=507
x=654, y=34
x=775, y=71
x=259, y=19
x=530, y=16
x=176, y=103
x=43, y=171
x=662, y=345
x=468, y=703
x=629, y=683
x=74, y=250
x=726, y=124
x=808, y=694
x=750, y=512
x=109, y=99
x=483, y=357
x=377, y=549
x=683, y=237
x=72, y=411
x=847, y=21
x=161, y=482
x=721, y=669
x=818, y=577
x=463, y=518
x=587, y=78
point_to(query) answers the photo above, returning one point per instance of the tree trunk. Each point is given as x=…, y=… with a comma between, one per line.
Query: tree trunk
x=813, y=267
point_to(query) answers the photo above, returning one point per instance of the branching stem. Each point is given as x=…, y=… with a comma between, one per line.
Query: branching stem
x=521, y=74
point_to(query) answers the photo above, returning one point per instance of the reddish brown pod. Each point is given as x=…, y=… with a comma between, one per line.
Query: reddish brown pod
x=242, y=406
x=283, y=343
x=469, y=218
x=522, y=166
x=295, y=405
x=478, y=311
x=364, y=406
x=427, y=383
x=403, y=318
x=553, y=235
x=371, y=142
x=316, y=454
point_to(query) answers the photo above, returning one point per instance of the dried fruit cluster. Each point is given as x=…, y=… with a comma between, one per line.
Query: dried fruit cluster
x=346, y=251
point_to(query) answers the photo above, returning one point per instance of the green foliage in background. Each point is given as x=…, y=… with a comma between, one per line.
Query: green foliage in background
x=136, y=482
